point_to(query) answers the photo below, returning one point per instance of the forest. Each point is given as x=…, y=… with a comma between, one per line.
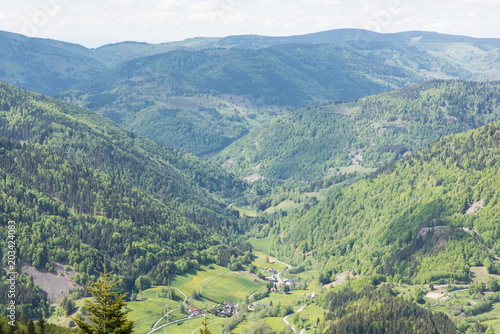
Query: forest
x=426, y=218
x=81, y=188
x=315, y=142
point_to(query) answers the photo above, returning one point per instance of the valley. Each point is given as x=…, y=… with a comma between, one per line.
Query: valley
x=338, y=182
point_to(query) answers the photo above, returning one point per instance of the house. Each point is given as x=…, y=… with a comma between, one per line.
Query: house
x=313, y=295
x=271, y=279
x=229, y=305
x=193, y=312
x=288, y=281
x=228, y=310
x=273, y=271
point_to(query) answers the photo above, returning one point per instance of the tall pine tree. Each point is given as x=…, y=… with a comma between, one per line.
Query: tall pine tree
x=105, y=309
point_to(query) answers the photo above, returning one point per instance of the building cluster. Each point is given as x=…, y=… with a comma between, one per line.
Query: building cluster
x=226, y=309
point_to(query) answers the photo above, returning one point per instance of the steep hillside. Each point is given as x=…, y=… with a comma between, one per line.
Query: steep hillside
x=80, y=187
x=201, y=101
x=425, y=218
x=43, y=65
x=320, y=140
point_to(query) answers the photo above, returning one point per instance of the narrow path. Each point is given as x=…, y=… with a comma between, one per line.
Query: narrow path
x=285, y=318
x=278, y=261
x=185, y=299
x=156, y=323
x=173, y=322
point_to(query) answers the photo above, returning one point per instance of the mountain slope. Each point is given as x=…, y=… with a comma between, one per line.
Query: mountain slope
x=79, y=187
x=43, y=65
x=166, y=97
x=201, y=94
x=317, y=141
x=412, y=220
x=339, y=36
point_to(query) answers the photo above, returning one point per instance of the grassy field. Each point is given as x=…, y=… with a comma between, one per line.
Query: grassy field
x=63, y=320
x=277, y=324
x=190, y=282
x=261, y=244
x=192, y=326
x=147, y=312
x=293, y=299
x=232, y=287
x=481, y=275
x=245, y=211
x=260, y=262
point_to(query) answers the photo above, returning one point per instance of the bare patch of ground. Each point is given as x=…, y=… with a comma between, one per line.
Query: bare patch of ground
x=435, y=294
x=474, y=208
x=254, y=177
x=341, y=278
x=58, y=284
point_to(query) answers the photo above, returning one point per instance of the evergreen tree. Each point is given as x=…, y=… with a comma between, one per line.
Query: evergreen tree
x=41, y=323
x=205, y=329
x=31, y=327
x=105, y=309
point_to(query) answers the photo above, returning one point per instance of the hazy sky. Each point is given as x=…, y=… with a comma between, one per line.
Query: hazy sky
x=96, y=22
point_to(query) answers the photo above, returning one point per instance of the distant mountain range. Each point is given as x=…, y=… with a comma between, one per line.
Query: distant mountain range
x=202, y=94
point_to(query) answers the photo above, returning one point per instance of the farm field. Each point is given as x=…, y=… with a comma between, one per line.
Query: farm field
x=231, y=287
x=190, y=282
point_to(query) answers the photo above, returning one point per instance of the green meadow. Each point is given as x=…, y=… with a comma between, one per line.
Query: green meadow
x=231, y=287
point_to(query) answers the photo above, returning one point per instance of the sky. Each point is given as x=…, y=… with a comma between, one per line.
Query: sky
x=96, y=22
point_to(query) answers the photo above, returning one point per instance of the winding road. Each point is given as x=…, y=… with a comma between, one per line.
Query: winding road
x=153, y=329
x=285, y=318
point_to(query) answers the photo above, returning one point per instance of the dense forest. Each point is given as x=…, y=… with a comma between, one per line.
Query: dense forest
x=426, y=218
x=79, y=188
x=377, y=311
x=317, y=141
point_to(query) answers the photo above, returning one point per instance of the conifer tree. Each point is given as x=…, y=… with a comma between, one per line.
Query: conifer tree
x=105, y=310
x=31, y=327
x=41, y=323
x=205, y=329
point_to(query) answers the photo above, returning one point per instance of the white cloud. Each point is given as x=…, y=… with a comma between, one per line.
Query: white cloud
x=121, y=2
x=166, y=4
x=206, y=6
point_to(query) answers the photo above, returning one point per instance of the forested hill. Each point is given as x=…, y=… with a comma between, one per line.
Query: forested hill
x=201, y=94
x=44, y=65
x=425, y=218
x=317, y=141
x=201, y=101
x=80, y=187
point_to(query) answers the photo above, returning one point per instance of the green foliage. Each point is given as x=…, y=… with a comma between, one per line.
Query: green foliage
x=105, y=310
x=311, y=143
x=32, y=327
x=369, y=311
x=413, y=220
x=205, y=329
x=80, y=187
